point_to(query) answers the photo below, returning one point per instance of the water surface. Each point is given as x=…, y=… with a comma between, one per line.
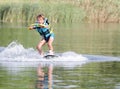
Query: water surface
x=89, y=57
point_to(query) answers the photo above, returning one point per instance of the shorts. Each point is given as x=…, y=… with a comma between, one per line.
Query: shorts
x=48, y=36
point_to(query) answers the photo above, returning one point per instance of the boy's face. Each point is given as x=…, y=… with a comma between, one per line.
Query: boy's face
x=40, y=20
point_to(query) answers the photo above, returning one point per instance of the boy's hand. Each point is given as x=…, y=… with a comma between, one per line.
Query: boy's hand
x=30, y=28
x=42, y=25
x=36, y=25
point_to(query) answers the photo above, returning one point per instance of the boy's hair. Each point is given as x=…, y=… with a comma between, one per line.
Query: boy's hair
x=41, y=15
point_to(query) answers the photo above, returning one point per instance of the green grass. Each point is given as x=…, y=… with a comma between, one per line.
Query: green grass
x=60, y=10
x=27, y=11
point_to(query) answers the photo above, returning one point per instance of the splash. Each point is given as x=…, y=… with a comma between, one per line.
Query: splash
x=17, y=54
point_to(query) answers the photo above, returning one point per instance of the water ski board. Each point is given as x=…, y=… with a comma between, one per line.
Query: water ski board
x=50, y=56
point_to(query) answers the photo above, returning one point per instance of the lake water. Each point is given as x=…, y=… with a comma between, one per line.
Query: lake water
x=90, y=57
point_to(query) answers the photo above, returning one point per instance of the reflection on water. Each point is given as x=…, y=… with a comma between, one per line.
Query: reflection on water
x=93, y=75
x=44, y=80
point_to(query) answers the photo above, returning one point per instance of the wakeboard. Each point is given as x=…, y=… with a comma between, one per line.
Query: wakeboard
x=48, y=56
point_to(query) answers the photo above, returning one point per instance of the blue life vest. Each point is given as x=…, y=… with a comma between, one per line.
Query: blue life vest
x=42, y=31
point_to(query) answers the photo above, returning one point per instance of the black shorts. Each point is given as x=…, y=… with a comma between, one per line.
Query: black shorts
x=48, y=37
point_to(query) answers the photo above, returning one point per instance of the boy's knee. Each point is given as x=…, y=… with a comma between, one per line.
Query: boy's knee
x=49, y=44
x=38, y=47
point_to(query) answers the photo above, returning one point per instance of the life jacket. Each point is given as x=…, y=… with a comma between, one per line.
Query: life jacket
x=43, y=31
x=50, y=28
x=46, y=21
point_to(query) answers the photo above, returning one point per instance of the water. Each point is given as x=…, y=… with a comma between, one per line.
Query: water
x=89, y=58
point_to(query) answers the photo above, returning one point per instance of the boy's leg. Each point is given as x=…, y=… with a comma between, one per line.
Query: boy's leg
x=39, y=46
x=51, y=39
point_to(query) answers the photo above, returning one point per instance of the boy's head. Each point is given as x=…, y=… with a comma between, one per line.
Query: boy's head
x=40, y=18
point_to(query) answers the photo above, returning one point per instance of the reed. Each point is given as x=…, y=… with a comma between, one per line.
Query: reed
x=101, y=10
x=27, y=11
x=60, y=10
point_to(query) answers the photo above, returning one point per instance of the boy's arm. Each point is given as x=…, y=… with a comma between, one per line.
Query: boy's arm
x=44, y=26
x=32, y=27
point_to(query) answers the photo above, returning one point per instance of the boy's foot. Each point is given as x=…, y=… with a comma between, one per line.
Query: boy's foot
x=42, y=54
x=50, y=52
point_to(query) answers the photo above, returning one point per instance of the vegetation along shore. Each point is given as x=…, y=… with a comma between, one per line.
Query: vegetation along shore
x=97, y=11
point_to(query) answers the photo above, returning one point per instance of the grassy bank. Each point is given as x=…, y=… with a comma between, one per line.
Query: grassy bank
x=60, y=10
x=27, y=11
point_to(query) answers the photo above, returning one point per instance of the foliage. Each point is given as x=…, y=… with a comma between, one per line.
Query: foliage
x=61, y=10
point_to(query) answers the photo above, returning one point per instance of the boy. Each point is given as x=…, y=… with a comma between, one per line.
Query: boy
x=42, y=26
